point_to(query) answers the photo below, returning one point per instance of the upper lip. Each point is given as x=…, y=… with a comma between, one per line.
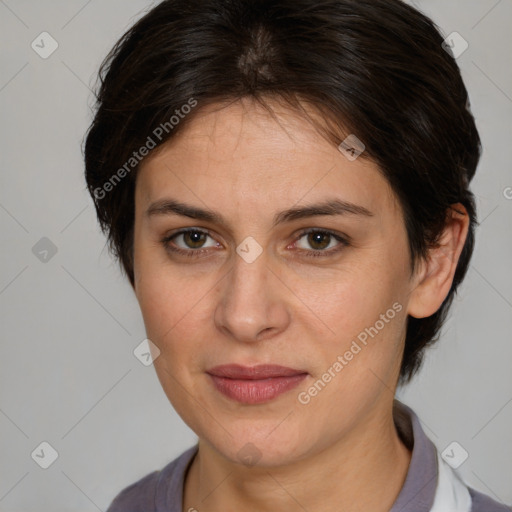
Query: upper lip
x=262, y=371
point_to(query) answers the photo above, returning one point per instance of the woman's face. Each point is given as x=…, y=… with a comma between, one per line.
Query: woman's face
x=249, y=287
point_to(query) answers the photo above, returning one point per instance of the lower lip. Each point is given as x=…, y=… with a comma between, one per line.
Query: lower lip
x=256, y=391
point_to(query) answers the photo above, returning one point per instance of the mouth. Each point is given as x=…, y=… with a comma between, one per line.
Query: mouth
x=255, y=384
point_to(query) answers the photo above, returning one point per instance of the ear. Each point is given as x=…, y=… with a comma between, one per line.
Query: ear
x=434, y=277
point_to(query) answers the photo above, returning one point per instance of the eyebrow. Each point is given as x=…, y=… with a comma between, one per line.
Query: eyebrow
x=331, y=207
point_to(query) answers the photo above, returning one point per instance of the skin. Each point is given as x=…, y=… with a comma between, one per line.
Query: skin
x=283, y=308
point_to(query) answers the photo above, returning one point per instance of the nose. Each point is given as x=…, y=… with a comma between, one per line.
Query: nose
x=252, y=303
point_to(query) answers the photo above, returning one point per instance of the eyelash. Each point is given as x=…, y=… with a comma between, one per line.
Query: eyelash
x=192, y=253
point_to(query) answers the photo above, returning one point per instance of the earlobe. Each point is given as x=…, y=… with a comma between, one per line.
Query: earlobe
x=434, y=278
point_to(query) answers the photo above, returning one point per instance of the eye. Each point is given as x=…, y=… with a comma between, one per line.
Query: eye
x=324, y=243
x=193, y=239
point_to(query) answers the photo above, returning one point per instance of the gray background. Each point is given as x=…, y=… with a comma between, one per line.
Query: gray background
x=70, y=324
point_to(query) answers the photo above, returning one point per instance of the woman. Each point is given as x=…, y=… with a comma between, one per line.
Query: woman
x=285, y=184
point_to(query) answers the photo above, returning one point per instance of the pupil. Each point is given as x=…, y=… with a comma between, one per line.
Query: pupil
x=316, y=238
x=195, y=236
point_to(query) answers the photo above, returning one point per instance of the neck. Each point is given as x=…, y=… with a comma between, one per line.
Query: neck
x=364, y=470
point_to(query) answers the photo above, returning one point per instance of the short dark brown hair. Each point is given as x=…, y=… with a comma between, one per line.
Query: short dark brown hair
x=373, y=68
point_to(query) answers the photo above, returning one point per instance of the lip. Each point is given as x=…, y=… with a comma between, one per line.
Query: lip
x=258, y=372
x=254, y=384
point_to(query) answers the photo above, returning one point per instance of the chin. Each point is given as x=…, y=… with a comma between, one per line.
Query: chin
x=255, y=447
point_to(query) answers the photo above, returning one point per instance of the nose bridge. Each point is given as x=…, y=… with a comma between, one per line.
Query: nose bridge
x=248, y=277
x=248, y=303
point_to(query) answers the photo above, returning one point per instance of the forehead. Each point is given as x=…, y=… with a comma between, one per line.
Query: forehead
x=242, y=152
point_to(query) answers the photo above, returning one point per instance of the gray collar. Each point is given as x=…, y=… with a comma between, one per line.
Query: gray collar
x=418, y=491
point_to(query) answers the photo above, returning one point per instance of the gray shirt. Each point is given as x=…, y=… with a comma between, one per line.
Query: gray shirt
x=162, y=491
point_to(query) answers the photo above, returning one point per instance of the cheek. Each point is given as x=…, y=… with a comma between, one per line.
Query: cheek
x=360, y=317
x=177, y=314
x=163, y=298
x=345, y=302
x=166, y=306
